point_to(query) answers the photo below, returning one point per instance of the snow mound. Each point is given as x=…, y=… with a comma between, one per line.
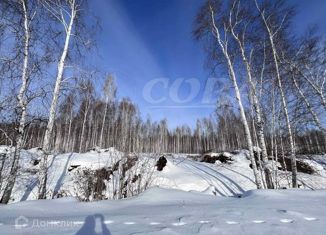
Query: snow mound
x=124, y=175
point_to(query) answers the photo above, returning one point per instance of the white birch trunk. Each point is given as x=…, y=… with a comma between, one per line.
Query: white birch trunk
x=22, y=105
x=258, y=116
x=83, y=126
x=283, y=99
x=103, y=122
x=52, y=113
x=286, y=113
x=239, y=100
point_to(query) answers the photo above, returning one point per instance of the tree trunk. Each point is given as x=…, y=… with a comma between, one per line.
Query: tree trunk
x=103, y=122
x=238, y=97
x=21, y=110
x=52, y=112
x=83, y=128
x=283, y=99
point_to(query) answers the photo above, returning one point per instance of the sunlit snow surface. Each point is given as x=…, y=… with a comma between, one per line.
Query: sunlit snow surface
x=187, y=197
x=180, y=173
x=169, y=211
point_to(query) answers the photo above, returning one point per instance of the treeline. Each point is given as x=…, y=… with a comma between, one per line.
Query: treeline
x=87, y=120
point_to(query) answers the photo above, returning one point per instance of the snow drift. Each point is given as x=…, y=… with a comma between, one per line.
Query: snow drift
x=110, y=174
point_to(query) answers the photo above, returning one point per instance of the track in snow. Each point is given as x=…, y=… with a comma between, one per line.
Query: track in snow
x=223, y=184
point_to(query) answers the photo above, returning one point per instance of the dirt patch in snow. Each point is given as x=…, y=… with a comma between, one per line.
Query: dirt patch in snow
x=222, y=157
x=161, y=163
x=301, y=166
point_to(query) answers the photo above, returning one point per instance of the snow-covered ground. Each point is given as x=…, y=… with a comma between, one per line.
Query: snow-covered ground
x=186, y=197
x=169, y=211
x=180, y=172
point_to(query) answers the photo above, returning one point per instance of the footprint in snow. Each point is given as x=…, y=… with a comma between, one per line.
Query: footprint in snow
x=19, y=226
x=154, y=223
x=258, y=221
x=179, y=224
x=78, y=222
x=129, y=223
x=287, y=220
x=108, y=221
x=232, y=222
x=310, y=218
x=204, y=222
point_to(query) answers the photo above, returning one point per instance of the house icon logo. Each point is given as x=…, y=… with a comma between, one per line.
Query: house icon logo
x=21, y=222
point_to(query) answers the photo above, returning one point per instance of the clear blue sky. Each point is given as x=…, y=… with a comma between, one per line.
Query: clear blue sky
x=142, y=40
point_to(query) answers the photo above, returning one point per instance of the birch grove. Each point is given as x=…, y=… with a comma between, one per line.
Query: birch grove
x=271, y=34
x=248, y=32
x=234, y=20
x=224, y=47
x=272, y=103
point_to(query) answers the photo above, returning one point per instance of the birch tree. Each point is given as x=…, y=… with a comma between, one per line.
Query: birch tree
x=238, y=27
x=272, y=30
x=22, y=8
x=87, y=91
x=223, y=43
x=109, y=90
x=305, y=65
x=65, y=12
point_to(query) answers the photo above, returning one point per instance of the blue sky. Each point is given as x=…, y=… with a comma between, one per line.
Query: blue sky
x=142, y=40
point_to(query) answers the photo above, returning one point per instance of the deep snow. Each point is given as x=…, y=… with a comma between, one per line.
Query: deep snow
x=181, y=172
x=169, y=211
x=187, y=197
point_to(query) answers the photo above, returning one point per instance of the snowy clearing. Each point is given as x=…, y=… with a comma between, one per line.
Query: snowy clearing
x=181, y=172
x=186, y=197
x=168, y=211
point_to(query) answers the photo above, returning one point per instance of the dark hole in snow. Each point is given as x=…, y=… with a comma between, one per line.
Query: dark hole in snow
x=257, y=156
x=135, y=178
x=209, y=159
x=92, y=183
x=234, y=152
x=36, y=162
x=72, y=167
x=104, y=173
x=126, y=164
x=101, y=175
x=301, y=165
x=129, y=163
x=286, y=164
x=282, y=211
x=161, y=163
x=31, y=171
x=223, y=158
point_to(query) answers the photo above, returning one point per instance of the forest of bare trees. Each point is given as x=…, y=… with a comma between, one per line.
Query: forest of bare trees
x=119, y=124
x=252, y=41
x=48, y=101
